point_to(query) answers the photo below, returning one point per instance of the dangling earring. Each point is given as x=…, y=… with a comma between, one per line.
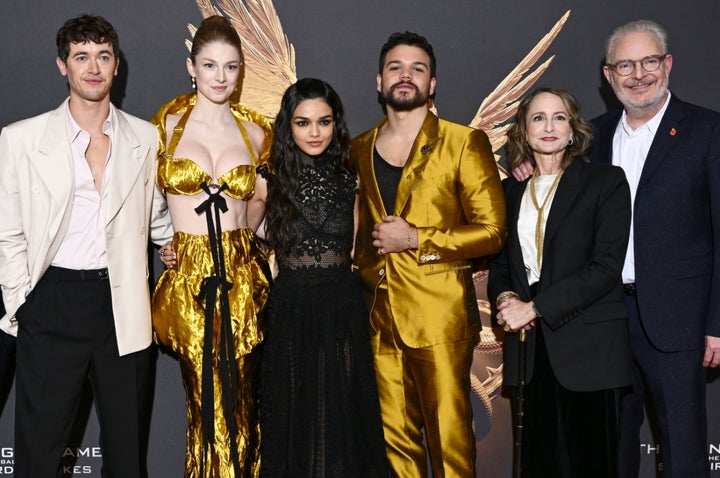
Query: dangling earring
x=192, y=82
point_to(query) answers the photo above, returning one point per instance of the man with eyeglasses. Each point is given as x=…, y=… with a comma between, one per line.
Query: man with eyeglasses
x=670, y=151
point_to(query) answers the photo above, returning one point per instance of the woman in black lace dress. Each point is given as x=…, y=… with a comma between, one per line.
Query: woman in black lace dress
x=319, y=412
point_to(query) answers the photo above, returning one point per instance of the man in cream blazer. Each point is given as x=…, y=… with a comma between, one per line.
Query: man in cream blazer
x=76, y=201
x=430, y=200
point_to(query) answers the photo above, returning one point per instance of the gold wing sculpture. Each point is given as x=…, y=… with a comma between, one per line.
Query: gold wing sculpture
x=270, y=68
x=501, y=105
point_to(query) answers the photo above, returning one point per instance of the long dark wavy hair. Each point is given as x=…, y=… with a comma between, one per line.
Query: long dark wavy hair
x=286, y=160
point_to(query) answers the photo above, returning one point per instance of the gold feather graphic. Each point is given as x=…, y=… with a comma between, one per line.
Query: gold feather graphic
x=488, y=389
x=502, y=103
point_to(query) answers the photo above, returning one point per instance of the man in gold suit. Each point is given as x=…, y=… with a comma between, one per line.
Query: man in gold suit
x=430, y=200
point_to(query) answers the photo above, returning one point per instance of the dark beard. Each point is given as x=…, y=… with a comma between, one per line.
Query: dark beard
x=405, y=103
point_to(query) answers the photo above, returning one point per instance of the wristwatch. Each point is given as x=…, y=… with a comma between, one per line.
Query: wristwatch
x=535, y=309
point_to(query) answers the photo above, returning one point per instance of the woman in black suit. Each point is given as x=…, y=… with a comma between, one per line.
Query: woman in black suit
x=558, y=277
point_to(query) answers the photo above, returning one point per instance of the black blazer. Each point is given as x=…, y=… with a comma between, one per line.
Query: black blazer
x=580, y=290
x=676, y=225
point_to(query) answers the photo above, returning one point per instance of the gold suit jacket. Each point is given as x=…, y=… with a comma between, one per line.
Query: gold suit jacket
x=450, y=191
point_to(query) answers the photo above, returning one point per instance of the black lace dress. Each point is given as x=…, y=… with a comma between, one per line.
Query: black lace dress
x=319, y=411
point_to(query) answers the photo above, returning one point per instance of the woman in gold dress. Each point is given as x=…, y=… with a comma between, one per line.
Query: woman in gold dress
x=206, y=306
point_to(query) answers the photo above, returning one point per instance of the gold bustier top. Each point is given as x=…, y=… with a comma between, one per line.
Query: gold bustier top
x=184, y=176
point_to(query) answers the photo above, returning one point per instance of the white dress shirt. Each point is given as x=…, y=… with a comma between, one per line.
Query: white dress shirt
x=630, y=148
x=527, y=222
x=84, y=246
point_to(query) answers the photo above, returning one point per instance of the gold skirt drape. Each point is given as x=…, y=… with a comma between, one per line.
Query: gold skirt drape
x=178, y=324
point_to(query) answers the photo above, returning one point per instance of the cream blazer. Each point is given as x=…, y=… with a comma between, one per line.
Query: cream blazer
x=36, y=185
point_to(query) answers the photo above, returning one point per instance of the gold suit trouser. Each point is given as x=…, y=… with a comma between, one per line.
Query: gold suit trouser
x=423, y=388
x=178, y=322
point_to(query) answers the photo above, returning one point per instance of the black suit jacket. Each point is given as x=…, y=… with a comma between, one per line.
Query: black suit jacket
x=676, y=225
x=580, y=291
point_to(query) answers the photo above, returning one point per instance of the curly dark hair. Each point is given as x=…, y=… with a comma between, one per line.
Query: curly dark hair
x=518, y=148
x=286, y=160
x=83, y=29
x=410, y=39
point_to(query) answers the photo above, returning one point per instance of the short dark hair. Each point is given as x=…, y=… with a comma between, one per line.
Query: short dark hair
x=215, y=28
x=411, y=39
x=518, y=149
x=83, y=29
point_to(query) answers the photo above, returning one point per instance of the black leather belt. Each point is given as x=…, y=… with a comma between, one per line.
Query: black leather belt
x=60, y=273
x=629, y=289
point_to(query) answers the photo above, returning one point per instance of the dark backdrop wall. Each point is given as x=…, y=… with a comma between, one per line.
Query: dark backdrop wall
x=477, y=44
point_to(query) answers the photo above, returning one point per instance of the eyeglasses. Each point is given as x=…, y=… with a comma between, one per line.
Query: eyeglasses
x=627, y=67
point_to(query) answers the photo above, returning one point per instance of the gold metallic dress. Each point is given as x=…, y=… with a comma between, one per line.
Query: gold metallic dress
x=207, y=312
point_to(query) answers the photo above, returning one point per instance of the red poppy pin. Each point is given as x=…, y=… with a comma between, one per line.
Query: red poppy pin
x=673, y=131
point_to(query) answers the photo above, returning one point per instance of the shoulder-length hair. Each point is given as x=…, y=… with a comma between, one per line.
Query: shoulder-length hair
x=286, y=160
x=518, y=149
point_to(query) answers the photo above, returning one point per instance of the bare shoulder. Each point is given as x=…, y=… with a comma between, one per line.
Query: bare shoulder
x=256, y=134
x=171, y=120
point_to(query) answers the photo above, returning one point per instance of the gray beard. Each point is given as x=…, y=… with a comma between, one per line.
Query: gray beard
x=653, y=101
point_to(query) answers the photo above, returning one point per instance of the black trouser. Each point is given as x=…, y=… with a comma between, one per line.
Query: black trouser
x=568, y=434
x=7, y=365
x=7, y=358
x=676, y=385
x=66, y=336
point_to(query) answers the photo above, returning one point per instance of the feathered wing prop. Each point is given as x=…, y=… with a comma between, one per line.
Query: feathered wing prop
x=502, y=103
x=268, y=55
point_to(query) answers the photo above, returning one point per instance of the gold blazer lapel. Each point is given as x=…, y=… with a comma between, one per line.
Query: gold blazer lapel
x=422, y=150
